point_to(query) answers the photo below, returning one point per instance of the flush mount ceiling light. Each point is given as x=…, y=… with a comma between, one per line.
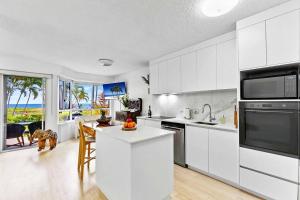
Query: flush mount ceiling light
x=215, y=8
x=105, y=62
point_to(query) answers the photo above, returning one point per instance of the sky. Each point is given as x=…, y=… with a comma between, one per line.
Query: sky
x=23, y=100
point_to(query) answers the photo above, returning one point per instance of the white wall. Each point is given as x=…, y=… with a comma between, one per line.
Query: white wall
x=136, y=87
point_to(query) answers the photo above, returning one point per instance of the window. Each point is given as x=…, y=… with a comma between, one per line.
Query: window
x=81, y=99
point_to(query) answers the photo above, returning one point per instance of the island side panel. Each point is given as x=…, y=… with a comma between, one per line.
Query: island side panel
x=152, y=168
x=113, y=158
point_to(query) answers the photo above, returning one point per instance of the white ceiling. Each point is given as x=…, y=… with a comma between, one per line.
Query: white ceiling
x=75, y=33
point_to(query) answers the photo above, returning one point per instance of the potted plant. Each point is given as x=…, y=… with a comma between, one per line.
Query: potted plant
x=124, y=100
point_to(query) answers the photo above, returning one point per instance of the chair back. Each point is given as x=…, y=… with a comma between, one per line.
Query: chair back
x=14, y=130
x=89, y=131
x=35, y=126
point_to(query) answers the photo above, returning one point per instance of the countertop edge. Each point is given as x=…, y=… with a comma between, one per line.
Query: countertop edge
x=98, y=130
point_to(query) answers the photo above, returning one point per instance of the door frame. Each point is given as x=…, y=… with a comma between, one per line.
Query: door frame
x=48, y=78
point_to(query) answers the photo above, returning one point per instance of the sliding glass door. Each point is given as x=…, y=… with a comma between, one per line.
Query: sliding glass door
x=24, y=109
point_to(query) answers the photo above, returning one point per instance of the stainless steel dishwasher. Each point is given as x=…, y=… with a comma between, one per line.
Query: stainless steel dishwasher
x=179, y=141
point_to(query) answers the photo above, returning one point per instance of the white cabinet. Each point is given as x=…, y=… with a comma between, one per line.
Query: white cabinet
x=163, y=77
x=140, y=122
x=227, y=65
x=252, y=46
x=189, y=72
x=224, y=154
x=268, y=186
x=283, y=38
x=174, y=75
x=206, y=68
x=153, y=123
x=154, y=77
x=197, y=147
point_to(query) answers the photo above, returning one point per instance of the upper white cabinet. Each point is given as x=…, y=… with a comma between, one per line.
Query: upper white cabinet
x=270, y=38
x=154, y=76
x=224, y=154
x=209, y=65
x=227, y=65
x=174, y=75
x=197, y=147
x=163, y=77
x=189, y=72
x=252, y=46
x=283, y=39
x=206, y=68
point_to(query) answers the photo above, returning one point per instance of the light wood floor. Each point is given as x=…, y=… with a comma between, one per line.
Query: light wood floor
x=29, y=175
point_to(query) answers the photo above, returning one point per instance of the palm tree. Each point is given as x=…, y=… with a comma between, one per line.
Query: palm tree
x=116, y=89
x=12, y=84
x=79, y=94
x=34, y=87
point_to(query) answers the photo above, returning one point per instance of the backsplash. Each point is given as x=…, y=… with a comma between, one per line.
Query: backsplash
x=222, y=103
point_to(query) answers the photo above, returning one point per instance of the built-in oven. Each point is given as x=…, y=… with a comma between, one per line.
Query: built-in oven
x=270, y=126
x=270, y=83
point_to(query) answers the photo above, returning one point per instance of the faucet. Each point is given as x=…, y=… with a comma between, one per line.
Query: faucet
x=210, y=117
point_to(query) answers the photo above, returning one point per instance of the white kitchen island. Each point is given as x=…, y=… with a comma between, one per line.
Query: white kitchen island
x=134, y=165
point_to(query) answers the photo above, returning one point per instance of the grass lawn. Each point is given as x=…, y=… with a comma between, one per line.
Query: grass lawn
x=31, y=115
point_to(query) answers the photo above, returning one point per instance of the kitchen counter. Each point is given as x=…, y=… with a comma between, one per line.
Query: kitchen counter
x=142, y=133
x=134, y=165
x=227, y=127
x=192, y=123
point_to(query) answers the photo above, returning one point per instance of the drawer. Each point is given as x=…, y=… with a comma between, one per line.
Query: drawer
x=268, y=186
x=276, y=165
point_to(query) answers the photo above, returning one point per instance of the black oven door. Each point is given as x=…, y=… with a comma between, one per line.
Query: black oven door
x=270, y=126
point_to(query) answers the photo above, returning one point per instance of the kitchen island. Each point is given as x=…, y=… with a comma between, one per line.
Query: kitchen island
x=134, y=165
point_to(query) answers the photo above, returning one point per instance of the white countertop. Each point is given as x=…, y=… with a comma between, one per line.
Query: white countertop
x=142, y=133
x=191, y=122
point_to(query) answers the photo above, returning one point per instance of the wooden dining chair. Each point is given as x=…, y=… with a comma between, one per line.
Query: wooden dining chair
x=86, y=138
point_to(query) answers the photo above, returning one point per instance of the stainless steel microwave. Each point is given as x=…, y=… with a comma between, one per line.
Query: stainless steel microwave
x=280, y=85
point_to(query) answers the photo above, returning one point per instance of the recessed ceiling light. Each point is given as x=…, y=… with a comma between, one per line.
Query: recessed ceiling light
x=215, y=8
x=106, y=62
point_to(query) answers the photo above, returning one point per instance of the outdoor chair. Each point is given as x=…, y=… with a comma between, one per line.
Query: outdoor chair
x=15, y=131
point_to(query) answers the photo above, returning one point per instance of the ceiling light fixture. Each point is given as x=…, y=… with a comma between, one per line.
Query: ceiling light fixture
x=106, y=62
x=215, y=8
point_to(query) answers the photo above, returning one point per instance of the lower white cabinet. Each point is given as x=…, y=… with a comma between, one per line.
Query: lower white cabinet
x=213, y=151
x=154, y=124
x=140, y=122
x=66, y=131
x=197, y=147
x=224, y=155
x=268, y=186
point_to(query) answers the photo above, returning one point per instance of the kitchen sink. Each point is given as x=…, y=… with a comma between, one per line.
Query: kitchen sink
x=206, y=123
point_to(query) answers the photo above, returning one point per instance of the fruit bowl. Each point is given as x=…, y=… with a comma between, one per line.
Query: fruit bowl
x=128, y=129
x=129, y=125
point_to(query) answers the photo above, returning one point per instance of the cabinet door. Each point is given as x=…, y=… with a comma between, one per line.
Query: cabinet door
x=174, y=75
x=163, y=77
x=224, y=154
x=154, y=77
x=189, y=72
x=226, y=65
x=152, y=123
x=141, y=122
x=197, y=147
x=206, y=67
x=252, y=46
x=283, y=38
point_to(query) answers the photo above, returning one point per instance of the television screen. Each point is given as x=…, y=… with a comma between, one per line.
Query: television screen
x=114, y=89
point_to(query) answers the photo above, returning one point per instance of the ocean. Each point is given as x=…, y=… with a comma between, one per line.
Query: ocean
x=28, y=106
